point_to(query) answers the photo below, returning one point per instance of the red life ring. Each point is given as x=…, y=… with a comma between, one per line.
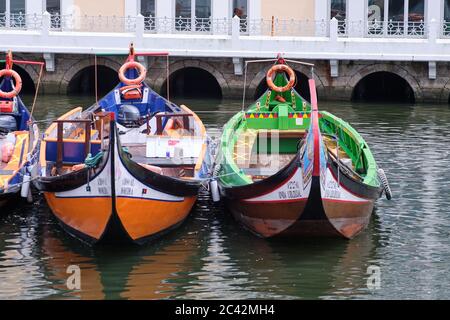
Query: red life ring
x=17, y=87
x=132, y=65
x=280, y=68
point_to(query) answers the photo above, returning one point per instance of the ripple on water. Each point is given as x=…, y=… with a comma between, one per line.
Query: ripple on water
x=212, y=257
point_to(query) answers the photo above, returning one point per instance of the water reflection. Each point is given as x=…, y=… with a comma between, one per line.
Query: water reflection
x=211, y=256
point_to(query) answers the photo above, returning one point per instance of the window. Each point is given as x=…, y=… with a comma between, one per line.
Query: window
x=447, y=10
x=193, y=15
x=375, y=10
x=240, y=9
x=54, y=8
x=148, y=8
x=17, y=13
x=396, y=17
x=416, y=11
x=203, y=8
x=338, y=10
x=2, y=13
x=446, y=27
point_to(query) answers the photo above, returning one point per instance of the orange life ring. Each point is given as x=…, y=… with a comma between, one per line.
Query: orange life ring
x=280, y=68
x=132, y=65
x=17, y=87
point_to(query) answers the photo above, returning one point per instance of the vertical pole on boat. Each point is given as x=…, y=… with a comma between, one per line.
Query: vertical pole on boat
x=337, y=157
x=96, y=79
x=37, y=90
x=245, y=86
x=315, y=127
x=9, y=60
x=168, y=78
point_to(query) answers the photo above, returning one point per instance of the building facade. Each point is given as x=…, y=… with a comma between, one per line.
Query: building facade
x=354, y=43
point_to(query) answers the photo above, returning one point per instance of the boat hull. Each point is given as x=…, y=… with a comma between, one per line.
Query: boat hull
x=343, y=215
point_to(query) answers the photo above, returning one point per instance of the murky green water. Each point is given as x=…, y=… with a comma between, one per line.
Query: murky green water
x=211, y=256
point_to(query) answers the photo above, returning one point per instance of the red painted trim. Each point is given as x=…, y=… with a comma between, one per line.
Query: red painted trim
x=315, y=127
x=346, y=201
x=28, y=62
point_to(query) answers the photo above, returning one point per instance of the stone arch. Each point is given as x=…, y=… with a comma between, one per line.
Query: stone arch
x=83, y=64
x=444, y=95
x=395, y=69
x=159, y=78
x=261, y=75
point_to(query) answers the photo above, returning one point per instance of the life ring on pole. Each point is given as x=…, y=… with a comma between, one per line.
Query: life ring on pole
x=277, y=69
x=18, y=86
x=132, y=65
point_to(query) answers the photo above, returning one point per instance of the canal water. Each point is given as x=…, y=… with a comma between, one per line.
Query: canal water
x=212, y=257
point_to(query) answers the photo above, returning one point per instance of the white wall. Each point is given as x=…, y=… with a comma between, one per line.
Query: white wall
x=322, y=10
x=434, y=10
x=68, y=7
x=220, y=9
x=165, y=8
x=254, y=7
x=131, y=8
x=34, y=6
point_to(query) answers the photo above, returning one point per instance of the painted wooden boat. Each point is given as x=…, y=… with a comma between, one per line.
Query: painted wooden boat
x=126, y=169
x=19, y=137
x=286, y=169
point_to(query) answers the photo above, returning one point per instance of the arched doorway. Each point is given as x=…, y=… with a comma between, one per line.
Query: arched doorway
x=194, y=83
x=301, y=86
x=83, y=82
x=383, y=87
x=28, y=86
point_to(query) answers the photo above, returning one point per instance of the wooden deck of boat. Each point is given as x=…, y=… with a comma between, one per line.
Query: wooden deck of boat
x=18, y=157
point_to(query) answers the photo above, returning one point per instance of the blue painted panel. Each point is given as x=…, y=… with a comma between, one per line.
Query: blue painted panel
x=73, y=151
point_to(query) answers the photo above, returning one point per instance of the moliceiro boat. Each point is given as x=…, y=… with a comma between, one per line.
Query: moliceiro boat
x=19, y=135
x=285, y=169
x=127, y=169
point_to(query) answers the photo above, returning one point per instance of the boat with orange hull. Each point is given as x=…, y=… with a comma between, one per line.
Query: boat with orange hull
x=285, y=169
x=19, y=135
x=129, y=168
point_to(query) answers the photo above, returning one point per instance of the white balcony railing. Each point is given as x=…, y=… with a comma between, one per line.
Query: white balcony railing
x=445, y=29
x=398, y=29
x=242, y=38
x=284, y=28
x=187, y=25
x=247, y=27
x=20, y=21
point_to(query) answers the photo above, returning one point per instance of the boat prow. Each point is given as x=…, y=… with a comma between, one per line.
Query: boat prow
x=126, y=170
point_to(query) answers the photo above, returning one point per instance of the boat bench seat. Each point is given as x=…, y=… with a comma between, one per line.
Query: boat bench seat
x=283, y=134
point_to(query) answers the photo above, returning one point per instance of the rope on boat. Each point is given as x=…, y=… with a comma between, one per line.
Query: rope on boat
x=385, y=183
x=92, y=162
x=37, y=91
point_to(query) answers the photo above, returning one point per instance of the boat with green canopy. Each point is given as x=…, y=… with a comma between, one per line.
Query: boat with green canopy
x=285, y=169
